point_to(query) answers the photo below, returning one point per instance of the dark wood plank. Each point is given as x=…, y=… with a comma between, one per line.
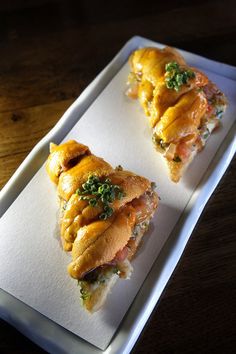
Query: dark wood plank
x=50, y=51
x=20, y=131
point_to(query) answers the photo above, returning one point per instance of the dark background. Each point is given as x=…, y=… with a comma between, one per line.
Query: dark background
x=49, y=52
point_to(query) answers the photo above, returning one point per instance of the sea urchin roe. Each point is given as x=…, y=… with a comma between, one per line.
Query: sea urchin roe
x=95, y=191
x=175, y=77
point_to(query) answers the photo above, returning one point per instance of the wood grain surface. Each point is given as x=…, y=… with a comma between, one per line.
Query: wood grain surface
x=49, y=52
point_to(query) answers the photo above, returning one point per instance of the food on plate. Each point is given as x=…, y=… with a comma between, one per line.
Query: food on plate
x=182, y=105
x=104, y=213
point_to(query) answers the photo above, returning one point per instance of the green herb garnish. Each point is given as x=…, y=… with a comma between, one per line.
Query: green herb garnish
x=159, y=142
x=206, y=134
x=116, y=270
x=175, y=77
x=84, y=293
x=219, y=113
x=108, y=211
x=94, y=190
x=177, y=159
x=98, y=275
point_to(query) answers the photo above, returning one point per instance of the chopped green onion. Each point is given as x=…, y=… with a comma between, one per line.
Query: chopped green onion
x=93, y=202
x=159, y=142
x=84, y=293
x=94, y=190
x=175, y=77
x=206, y=134
x=219, y=113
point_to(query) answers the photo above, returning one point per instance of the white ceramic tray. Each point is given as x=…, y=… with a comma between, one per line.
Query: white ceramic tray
x=50, y=335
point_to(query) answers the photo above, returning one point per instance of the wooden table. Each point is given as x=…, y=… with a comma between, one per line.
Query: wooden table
x=49, y=52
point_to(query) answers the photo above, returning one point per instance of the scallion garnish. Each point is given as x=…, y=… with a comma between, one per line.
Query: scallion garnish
x=84, y=293
x=175, y=77
x=94, y=190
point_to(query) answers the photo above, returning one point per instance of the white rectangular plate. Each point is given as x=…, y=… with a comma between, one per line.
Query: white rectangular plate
x=114, y=128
